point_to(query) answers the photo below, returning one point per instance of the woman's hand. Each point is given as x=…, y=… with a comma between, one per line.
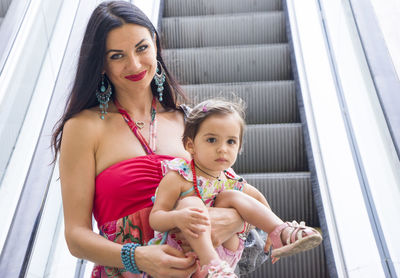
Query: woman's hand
x=165, y=261
x=191, y=221
x=225, y=222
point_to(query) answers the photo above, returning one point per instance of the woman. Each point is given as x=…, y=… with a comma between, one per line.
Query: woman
x=121, y=120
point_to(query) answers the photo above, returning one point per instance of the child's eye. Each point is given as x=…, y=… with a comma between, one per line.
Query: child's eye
x=116, y=56
x=231, y=141
x=211, y=140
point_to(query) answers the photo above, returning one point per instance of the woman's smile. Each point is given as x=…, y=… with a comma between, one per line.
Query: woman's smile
x=136, y=77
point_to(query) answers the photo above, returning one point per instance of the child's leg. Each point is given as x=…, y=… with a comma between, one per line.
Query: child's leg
x=288, y=238
x=232, y=243
x=202, y=245
x=250, y=209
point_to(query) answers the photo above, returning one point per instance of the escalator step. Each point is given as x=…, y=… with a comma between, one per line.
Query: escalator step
x=266, y=102
x=230, y=64
x=206, y=7
x=309, y=264
x=235, y=29
x=272, y=148
x=288, y=194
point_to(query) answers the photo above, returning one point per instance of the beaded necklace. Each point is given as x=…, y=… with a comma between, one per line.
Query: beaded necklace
x=151, y=147
x=196, y=189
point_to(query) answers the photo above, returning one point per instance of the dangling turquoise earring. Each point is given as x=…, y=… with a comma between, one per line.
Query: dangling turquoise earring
x=103, y=95
x=159, y=79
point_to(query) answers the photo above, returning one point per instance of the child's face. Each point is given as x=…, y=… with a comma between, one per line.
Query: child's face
x=216, y=144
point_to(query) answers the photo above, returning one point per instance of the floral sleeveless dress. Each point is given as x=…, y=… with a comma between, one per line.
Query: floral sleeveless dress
x=122, y=200
x=208, y=191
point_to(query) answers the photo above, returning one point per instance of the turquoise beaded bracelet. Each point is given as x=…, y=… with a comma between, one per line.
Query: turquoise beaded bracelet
x=128, y=257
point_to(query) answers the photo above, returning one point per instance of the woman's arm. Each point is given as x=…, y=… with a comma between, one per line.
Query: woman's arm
x=77, y=174
x=164, y=217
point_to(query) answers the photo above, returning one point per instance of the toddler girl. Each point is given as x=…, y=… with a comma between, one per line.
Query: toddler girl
x=213, y=136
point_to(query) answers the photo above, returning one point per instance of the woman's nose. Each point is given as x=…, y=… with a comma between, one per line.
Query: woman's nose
x=134, y=63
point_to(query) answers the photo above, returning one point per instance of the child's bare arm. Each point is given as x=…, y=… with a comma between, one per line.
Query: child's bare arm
x=164, y=217
x=253, y=192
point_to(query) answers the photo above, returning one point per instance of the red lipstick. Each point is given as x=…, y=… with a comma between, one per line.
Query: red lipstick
x=136, y=77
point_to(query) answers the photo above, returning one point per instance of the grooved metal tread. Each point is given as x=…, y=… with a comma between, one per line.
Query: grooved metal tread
x=289, y=194
x=272, y=148
x=207, y=7
x=302, y=265
x=230, y=64
x=227, y=15
x=232, y=29
x=265, y=101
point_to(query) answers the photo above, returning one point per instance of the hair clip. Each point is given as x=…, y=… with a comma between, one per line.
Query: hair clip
x=205, y=108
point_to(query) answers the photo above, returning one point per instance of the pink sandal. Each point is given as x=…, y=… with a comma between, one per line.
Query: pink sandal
x=216, y=269
x=295, y=242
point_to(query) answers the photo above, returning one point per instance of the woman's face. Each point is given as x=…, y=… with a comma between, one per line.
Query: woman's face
x=130, y=59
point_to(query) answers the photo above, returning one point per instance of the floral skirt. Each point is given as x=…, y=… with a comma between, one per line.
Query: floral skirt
x=133, y=228
x=136, y=228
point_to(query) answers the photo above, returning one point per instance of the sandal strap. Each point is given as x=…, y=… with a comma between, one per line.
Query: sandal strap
x=275, y=235
x=296, y=233
x=222, y=269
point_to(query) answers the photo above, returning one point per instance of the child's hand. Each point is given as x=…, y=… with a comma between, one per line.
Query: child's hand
x=191, y=221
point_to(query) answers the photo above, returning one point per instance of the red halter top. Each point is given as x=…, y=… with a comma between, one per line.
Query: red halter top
x=127, y=186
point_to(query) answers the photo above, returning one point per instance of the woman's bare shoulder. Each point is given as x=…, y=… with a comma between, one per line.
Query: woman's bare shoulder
x=174, y=115
x=87, y=118
x=83, y=126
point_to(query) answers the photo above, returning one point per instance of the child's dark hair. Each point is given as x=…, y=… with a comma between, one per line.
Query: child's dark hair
x=211, y=107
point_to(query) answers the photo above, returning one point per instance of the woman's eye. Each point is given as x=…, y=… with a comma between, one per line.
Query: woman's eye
x=142, y=48
x=211, y=140
x=116, y=56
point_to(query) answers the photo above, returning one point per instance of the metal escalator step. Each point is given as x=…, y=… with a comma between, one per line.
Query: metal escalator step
x=235, y=29
x=309, y=264
x=230, y=64
x=272, y=148
x=266, y=102
x=205, y=7
x=289, y=195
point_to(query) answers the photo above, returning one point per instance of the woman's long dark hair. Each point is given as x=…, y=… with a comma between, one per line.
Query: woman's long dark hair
x=106, y=17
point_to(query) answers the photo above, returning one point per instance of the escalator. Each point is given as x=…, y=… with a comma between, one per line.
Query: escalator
x=240, y=48
x=314, y=171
